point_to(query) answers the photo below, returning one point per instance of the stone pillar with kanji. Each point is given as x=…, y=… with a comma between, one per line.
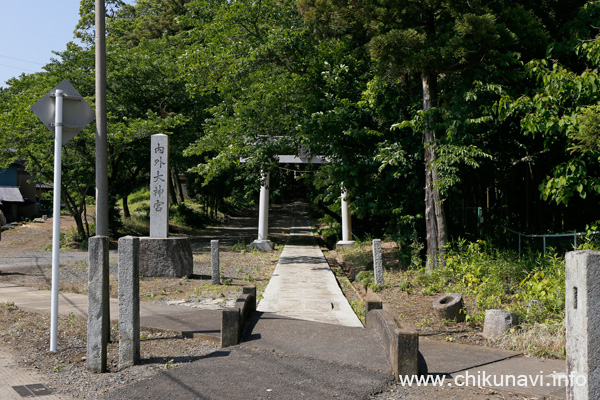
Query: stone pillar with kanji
x=159, y=184
x=159, y=254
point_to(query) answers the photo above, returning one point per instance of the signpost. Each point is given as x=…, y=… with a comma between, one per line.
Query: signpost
x=65, y=113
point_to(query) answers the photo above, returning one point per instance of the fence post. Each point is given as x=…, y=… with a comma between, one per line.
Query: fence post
x=544, y=242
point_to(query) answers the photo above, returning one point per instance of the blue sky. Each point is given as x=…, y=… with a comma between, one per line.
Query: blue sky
x=30, y=30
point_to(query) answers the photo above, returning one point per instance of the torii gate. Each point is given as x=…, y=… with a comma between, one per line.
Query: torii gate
x=262, y=242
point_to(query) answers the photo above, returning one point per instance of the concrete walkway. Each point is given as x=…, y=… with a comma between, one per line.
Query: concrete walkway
x=202, y=324
x=18, y=383
x=35, y=260
x=303, y=286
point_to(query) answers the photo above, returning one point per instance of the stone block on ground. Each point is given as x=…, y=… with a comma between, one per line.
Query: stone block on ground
x=166, y=257
x=263, y=245
x=345, y=245
x=372, y=302
x=498, y=322
x=233, y=320
x=450, y=306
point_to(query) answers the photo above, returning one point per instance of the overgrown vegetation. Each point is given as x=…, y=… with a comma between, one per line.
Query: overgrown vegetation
x=531, y=285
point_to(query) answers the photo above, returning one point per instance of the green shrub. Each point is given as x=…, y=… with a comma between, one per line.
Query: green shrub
x=365, y=278
x=183, y=214
x=531, y=286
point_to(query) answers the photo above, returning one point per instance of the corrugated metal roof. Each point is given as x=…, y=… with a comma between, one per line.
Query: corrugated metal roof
x=43, y=185
x=9, y=193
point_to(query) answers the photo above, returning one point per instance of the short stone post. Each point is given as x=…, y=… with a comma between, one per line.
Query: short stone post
x=582, y=313
x=129, y=301
x=230, y=327
x=214, y=262
x=377, y=262
x=98, y=328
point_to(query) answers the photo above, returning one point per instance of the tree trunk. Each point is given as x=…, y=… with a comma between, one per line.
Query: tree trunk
x=178, y=187
x=85, y=220
x=126, y=213
x=172, y=195
x=74, y=211
x=435, y=216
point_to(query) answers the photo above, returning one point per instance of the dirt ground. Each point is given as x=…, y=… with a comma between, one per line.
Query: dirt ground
x=32, y=236
x=411, y=308
x=29, y=332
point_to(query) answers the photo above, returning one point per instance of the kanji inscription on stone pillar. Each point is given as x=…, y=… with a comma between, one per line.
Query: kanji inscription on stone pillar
x=159, y=184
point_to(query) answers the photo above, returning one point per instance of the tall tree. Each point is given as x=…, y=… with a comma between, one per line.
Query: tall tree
x=433, y=39
x=562, y=109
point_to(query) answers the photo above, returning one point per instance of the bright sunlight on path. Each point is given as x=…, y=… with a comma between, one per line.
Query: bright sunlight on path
x=303, y=285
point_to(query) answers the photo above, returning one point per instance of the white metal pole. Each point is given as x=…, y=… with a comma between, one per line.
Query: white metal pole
x=58, y=122
x=263, y=209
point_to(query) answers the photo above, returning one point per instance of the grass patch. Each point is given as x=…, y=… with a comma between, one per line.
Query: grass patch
x=358, y=306
x=540, y=340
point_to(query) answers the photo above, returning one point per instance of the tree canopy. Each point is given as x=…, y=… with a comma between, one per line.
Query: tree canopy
x=429, y=110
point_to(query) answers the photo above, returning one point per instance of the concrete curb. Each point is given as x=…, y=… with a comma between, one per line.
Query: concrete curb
x=401, y=345
x=234, y=319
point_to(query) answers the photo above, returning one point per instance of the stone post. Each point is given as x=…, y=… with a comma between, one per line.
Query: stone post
x=346, y=241
x=230, y=327
x=159, y=186
x=263, y=241
x=214, y=262
x=98, y=328
x=377, y=262
x=582, y=313
x=129, y=301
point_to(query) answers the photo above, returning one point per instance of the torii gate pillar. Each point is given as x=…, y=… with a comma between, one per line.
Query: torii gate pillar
x=346, y=241
x=262, y=242
x=305, y=157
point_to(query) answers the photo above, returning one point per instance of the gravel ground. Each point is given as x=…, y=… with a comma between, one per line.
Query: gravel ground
x=26, y=335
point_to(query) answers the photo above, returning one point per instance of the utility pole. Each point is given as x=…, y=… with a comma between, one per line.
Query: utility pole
x=101, y=134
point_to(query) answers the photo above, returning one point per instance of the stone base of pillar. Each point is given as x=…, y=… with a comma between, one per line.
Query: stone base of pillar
x=344, y=244
x=166, y=257
x=264, y=245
